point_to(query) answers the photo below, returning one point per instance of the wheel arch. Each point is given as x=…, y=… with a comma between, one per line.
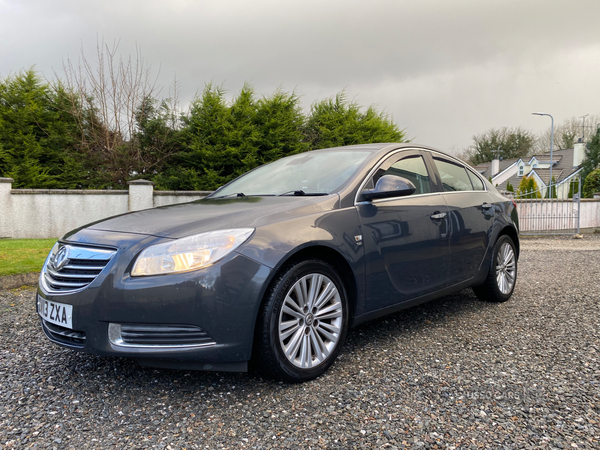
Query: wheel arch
x=327, y=254
x=335, y=259
x=511, y=233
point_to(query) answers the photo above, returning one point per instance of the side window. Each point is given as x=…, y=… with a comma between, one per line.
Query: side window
x=413, y=169
x=476, y=181
x=454, y=176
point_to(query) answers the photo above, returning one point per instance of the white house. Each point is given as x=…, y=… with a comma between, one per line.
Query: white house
x=566, y=166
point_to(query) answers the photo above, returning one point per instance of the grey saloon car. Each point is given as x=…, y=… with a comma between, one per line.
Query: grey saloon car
x=273, y=268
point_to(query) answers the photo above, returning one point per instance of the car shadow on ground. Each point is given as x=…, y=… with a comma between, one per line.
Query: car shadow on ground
x=416, y=318
x=119, y=375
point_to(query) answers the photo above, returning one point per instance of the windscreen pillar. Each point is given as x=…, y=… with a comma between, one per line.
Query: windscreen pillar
x=141, y=194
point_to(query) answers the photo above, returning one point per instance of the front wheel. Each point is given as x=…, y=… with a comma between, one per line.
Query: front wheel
x=502, y=275
x=303, y=322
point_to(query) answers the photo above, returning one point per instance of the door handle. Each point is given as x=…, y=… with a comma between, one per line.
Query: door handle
x=486, y=206
x=438, y=216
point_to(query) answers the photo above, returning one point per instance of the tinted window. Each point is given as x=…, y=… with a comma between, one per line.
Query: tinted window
x=454, y=176
x=413, y=169
x=476, y=181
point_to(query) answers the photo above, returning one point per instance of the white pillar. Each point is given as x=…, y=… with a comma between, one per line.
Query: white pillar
x=5, y=208
x=141, y=194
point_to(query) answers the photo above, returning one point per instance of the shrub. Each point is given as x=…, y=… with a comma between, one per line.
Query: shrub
x=528, y=188
x=573, y=188
x=81, y=134
x=592, y=184
x=551, y=193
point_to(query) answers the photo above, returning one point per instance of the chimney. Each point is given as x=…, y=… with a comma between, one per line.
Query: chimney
x=578, y=154
x=495, y=167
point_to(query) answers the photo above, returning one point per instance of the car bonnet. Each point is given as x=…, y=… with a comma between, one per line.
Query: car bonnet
x=176, y=221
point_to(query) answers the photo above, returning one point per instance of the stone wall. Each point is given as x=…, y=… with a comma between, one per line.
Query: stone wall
x=50, y=213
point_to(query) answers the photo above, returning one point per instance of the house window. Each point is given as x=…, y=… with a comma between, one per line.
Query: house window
x=521, y=170
x=535, y=165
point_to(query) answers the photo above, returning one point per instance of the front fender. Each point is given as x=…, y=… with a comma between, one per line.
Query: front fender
x=339, y=230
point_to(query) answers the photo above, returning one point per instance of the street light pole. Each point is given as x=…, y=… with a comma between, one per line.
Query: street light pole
x=551, y=145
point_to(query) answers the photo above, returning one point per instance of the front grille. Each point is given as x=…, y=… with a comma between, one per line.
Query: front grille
x=64, y=335
x=143, y=335
x=70, y=268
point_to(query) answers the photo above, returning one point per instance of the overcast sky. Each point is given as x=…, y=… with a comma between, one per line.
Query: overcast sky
x=443, y=69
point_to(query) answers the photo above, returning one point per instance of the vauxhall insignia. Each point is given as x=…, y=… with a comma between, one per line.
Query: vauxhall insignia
x=61, y=258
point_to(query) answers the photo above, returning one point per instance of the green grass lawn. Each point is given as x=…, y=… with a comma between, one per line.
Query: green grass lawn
x=23, y=255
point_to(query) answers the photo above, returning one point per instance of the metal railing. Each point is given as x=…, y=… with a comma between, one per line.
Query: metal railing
x=553, y=210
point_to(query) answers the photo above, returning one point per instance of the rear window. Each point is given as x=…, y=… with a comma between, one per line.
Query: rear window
x=476, y=181
x=454, y=176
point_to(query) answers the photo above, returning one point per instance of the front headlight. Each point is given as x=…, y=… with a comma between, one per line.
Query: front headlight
x=190, y=253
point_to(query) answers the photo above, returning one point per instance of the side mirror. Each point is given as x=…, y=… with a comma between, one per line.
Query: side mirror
x=390, y=186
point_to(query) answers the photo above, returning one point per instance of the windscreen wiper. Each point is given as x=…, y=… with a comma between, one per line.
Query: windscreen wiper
x=301, y=192
x=236, y=194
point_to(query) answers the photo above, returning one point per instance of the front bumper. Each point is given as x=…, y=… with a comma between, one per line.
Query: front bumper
x=221, y=301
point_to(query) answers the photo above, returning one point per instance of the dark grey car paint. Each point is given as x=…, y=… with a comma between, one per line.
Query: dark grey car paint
x=422, y=265
x=224, y=299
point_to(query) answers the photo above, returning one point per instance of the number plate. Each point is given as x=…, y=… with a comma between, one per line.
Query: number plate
x=56, y=313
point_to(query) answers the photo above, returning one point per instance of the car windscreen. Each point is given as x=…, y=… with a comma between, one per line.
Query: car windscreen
x=310, y=173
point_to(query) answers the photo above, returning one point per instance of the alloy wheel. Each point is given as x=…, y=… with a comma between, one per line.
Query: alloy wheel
x=310, y=321
x=505, y=268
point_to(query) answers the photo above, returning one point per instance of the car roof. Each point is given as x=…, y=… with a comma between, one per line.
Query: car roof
x=380, y=149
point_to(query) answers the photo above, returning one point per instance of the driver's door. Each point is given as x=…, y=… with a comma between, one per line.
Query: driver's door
x=406, y=238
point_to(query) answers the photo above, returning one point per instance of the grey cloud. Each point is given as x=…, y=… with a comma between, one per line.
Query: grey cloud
x=444, y=69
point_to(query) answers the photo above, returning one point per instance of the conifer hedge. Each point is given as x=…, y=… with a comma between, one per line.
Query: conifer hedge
x=54, y=136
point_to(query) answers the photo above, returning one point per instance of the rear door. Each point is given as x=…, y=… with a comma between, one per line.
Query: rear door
x=471, y=215
x=406, y=239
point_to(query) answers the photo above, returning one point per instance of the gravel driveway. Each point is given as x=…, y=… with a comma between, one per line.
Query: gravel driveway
x=455, y=373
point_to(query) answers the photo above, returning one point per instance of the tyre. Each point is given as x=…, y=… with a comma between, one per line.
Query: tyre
x=502, y=274
x=303, y=322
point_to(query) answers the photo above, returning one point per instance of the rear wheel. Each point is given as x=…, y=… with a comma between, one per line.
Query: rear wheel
x=502, y=275
x=303, y=322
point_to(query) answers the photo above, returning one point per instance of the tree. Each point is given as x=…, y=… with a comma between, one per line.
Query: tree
x=280, y=124
x=528, y=188
x=591, y=158
x=336, y=121
x=509, y=187
x=551, y=192
x=222, y=140
x=206, y=161
x=523, y=185
x=573, y=187
x=567, y=133
x=102, y=126
x=502, y=142
x=110, y=99
x=592, y=184
x=36, y=145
